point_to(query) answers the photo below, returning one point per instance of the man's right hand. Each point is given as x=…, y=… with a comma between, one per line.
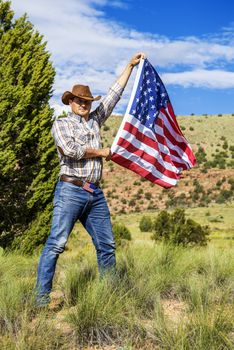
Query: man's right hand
x=106, y=153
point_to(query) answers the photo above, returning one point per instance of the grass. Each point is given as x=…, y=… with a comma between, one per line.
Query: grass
x=218, y=217
x=162, y=297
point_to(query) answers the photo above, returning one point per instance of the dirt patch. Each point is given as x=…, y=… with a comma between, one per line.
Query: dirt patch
x=174, y=310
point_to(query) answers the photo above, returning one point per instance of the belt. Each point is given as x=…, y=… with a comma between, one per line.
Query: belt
x=89, y=186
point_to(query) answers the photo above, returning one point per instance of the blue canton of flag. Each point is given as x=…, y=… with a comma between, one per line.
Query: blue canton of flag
x=151, y=95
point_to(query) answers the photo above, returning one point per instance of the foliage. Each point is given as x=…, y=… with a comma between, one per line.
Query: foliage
x=176, y=229
x=162, y=297
x=224, y=196
x=200, y=155
x=145, y=224
x=121, y=233
x=27, y=153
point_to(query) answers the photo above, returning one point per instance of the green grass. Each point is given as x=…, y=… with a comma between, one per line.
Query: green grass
x=218, y=217
x=162, y=297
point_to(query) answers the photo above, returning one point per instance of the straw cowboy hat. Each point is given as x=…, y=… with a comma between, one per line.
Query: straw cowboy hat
x=81, y=91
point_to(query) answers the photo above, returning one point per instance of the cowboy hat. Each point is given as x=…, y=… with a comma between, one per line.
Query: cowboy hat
x=81, y=91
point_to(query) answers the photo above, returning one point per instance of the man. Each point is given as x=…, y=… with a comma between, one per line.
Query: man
x=77, y=194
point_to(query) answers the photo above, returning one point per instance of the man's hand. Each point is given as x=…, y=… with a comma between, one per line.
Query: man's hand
x=136, y=59
x=123, y=79
x=106, y=153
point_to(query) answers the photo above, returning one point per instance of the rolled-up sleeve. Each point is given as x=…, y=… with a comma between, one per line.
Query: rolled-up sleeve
x=65, y=140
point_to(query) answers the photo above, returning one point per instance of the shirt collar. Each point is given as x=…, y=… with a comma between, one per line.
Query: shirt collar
x=73, y=115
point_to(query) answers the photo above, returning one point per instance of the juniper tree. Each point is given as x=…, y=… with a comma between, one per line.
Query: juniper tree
x=27, y=154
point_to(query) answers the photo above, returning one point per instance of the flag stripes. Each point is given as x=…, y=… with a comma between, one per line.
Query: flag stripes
x=150, y=141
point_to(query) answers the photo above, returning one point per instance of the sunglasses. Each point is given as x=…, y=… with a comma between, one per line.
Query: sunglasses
x=81, y=101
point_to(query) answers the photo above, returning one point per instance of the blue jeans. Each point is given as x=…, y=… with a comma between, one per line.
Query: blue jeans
x=72, y=203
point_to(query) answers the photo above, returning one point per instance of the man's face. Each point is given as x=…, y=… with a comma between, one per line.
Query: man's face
x=80, y=107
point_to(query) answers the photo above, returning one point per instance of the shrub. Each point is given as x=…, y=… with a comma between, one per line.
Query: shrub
x=136, y=183
x=224, y=196
x=200, y=155
x=121, y=232
x=231, y=183
x=162, y=226
x=145, y=224
x=132, y=203
x=176, y=229
x=148, y=195
x=225, y=145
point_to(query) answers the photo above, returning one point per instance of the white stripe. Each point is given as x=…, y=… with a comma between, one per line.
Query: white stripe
x=149, y=150
x=138, y=75
x=160, y=131
x=178, y=137
x=152, y=135
x=144, y=165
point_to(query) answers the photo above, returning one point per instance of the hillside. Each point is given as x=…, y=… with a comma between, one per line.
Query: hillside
x=211, y=181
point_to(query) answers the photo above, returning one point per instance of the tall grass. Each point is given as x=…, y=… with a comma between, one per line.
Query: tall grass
x=161, y=297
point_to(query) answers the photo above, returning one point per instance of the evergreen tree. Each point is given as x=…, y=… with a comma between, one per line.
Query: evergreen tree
x=28, y=159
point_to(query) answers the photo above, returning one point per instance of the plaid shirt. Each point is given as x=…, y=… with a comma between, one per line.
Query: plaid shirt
x=74, y=135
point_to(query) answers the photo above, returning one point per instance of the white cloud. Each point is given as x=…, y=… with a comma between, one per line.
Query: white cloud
x=86, y=47
x=216, y=79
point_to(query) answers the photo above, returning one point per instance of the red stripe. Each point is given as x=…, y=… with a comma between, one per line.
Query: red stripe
x=172, y=118
x=145, y=156
x=126, y=163
x=175, y=126
x=181, y=144
x=154, y=144
x=146, y=140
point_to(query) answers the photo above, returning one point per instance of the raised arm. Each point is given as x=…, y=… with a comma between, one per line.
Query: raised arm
x=123, y=79
x=104, y=110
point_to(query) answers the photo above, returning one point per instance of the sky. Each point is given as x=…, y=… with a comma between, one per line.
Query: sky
x=190, y=44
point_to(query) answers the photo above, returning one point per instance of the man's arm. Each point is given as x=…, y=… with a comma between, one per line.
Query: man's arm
x=92, y=153
x=123, y=79
x=104, y=110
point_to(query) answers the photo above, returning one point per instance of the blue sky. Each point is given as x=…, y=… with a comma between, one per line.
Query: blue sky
x=190, y=43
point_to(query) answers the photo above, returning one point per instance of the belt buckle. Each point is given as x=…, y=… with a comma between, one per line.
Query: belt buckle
x=87, y=187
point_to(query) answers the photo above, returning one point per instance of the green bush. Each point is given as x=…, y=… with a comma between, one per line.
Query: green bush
x=176, y=229
x=224, y=195
x=148, y=195
x=201, y=155
x=145, y=224
x=28, y=159
x=106, y=128
x=121, y=233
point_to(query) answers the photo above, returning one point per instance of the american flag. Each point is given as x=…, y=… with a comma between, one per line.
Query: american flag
x=149, y=141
